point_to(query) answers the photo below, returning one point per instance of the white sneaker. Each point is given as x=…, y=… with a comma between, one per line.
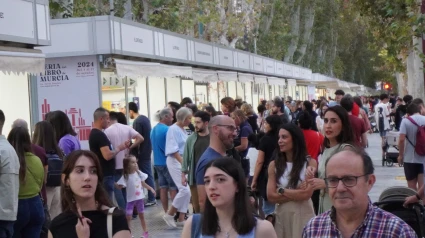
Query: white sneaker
x=169, y=220
x=180, y=224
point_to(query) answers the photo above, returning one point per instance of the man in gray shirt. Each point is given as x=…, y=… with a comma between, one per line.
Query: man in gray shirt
x=9, y=186
x=413, y=163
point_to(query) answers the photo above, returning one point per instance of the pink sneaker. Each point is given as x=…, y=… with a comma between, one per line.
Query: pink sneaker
x=145, y=234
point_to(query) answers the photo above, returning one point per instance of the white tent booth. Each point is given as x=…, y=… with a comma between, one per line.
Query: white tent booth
x=24, y=24
x=121, y=61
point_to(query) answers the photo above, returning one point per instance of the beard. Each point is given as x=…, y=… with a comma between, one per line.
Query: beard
x=199, y=130
x=227, y=142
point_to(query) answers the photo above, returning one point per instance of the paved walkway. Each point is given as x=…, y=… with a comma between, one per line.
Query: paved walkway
x=386, y=177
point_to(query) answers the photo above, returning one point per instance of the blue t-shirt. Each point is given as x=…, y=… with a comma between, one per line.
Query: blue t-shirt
x=244, y=131
x=209, y=155
x=158, y=138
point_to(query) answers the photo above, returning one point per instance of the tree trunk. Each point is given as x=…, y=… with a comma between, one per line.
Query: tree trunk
x=145, y=16
x=128, y=14
x=308, y=26
x=415, y=73
x=295, y=30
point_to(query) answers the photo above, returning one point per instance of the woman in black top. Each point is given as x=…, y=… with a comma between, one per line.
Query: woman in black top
x=85, y=203
x=266, y=149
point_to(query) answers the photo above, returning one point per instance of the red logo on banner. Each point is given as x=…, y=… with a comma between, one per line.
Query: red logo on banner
x=77, y=122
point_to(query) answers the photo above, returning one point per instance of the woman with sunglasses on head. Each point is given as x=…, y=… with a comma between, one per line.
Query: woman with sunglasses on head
x=287, y=186
x=85, y=203
x=228, y=212
x=241, y=142
x=338, y=136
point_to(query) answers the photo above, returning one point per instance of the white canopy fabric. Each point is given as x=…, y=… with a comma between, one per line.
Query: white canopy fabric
x=20, y=61
x=204, y=76
x=245, y=78
x=142, y=69
x=291, y=82
x=227, y=76
x=276, y=81
x=137, y=69
x=260, y=79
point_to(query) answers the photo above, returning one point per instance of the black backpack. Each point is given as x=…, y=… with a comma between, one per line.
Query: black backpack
x=54, y=171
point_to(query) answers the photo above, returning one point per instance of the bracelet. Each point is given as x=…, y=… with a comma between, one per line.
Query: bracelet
x=417, y=196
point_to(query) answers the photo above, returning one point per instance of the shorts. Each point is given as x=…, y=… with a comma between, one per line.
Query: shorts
x=412, y=170
x=164, y=177
x=383, y=133
x=139, y=204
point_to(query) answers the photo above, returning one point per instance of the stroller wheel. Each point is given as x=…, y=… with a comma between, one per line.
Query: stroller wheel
x=389, y=163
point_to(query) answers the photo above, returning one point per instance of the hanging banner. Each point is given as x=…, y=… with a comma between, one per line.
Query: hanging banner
x=311, y=89
x=71, y=84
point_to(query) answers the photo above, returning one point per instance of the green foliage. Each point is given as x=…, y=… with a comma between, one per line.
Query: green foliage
x=359, y=41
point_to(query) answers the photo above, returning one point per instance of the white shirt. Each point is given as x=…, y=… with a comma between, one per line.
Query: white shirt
x=134, y=185
x=9, y=177
x=175, y=140
x=118, y=134
x=409, y=129
x=284, y=180
x=385, y=113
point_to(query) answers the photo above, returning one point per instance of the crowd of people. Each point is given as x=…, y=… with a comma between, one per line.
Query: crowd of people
x=311, y=176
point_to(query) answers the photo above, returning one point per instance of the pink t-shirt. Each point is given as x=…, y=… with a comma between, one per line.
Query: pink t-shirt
x=118, y=134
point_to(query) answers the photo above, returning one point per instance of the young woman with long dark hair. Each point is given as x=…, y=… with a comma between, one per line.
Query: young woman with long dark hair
x=44, y=136
x=30, y=217
x=66, y=137
x=85, y=203
x=266, y=148
x=287, y=186
x=228, y=212
x=338, y=136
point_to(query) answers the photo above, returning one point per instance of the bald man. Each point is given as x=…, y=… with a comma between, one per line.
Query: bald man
x=20, y=123
x=222, y=132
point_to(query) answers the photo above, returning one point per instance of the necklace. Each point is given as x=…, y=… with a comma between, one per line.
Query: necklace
x=228, y=232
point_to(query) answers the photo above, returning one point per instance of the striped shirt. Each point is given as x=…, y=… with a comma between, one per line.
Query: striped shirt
x=377, y=223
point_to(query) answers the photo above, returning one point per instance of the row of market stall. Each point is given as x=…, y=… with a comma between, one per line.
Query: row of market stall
x=79, y=64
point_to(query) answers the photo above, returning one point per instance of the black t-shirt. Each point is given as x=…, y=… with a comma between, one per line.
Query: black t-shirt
x=268, y=145
x=97, y=140
x=63, y=226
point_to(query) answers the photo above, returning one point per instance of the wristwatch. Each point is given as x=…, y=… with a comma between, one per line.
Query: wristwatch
x=280, y=191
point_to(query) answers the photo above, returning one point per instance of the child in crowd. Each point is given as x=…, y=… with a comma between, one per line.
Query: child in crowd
x=134, y=180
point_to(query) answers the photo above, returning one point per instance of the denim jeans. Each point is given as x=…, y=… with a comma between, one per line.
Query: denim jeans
x=108, y=185
x=6, y=229
x=120, y=194
x=268, y=207
x=146, y=167
x=30, y=218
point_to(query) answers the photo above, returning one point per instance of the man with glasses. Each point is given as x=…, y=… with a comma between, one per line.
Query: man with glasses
x=222, y=132
x=349, y=178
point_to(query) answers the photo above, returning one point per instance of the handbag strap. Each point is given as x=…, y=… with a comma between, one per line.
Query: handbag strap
x=39, y=193
x=109, y=221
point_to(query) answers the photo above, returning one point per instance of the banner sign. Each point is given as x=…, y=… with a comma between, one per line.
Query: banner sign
x=71, y=84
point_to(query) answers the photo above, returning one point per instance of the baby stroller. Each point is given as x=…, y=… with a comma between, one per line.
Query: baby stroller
x=373, y=123
x=391, y=142
x=392, y=199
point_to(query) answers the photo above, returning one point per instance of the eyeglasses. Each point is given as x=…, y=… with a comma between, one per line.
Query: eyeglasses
x=229, y=127
x=348, y=181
